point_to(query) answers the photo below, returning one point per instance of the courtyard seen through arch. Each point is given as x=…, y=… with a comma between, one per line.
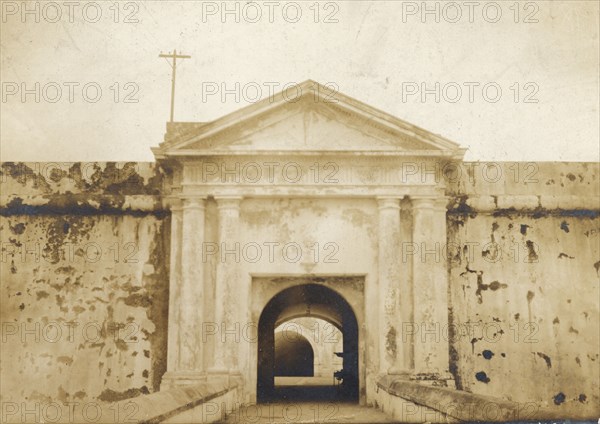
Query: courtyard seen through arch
x=290, y=335
x=324, y=340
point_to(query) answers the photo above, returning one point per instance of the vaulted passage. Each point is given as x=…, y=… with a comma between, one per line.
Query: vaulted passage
x=281, y=355
x=294, y=356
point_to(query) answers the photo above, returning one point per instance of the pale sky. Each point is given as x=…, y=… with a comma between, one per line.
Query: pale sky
x=375, y=51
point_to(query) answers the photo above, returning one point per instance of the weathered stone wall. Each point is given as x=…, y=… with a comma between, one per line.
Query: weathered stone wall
x=84, y=282
x=89, y=244
x=525, y=258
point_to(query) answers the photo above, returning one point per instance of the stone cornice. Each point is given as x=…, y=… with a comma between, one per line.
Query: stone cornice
x=195, y=153
x=312, y=191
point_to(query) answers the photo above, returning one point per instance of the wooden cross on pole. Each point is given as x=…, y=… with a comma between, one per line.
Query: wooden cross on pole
x=173, y=56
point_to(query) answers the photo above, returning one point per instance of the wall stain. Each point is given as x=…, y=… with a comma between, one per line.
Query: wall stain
x=532, y=254
x=559, y=398
x=109, y=395
x=545, y=358
x=482, y=376
x=390, y=342
x=493, y=286
x=66, y=360
x=17, y=229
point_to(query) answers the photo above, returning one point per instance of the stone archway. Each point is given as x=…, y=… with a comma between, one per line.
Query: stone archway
x=307, y=300
x=375, y=196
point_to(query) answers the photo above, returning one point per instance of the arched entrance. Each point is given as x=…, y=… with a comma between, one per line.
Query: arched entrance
x=307, y=300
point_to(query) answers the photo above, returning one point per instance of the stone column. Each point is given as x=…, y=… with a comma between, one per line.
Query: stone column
x=227, y=301
x=430, y=289
x=186, y=295
x=390, y=354
x=174, y=286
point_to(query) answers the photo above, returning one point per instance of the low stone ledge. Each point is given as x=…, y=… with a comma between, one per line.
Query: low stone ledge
x=163, y=405
x=457, y=404
x=465, y=406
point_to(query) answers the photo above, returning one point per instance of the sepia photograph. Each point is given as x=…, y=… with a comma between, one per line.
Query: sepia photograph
x=303, y=211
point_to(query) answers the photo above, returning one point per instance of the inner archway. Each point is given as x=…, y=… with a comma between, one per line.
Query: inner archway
x=294, y=355
x=316, y=301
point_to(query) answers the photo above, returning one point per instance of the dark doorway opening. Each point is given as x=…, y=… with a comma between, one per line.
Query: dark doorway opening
x=294, y=356
x=308, y=300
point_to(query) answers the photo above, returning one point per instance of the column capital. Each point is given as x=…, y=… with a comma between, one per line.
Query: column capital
x=193, y=202
x=441, y=203
x=175, y=204
x=388, y=202
x=228, y=202
x=438, y=203
x=172, y=202
x=423, y=202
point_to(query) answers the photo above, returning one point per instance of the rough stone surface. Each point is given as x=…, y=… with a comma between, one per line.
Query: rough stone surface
x=524, y=283
x=84, y=284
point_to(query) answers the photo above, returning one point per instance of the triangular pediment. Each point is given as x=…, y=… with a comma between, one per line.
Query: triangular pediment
x=317, y=120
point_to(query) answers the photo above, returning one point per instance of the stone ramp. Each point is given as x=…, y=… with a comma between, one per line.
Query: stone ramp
x=307, y=412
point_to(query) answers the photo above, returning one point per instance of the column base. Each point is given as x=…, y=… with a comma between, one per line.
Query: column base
x=224, y=374
x=172, y=379
x=217, y=371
